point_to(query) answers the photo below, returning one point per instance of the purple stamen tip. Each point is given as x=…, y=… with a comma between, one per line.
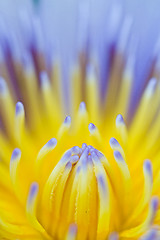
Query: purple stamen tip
x=113, y=236
x=148, y=166
x=91, y=127
x=73, y=229
x=66, y=156
x=118, y=156
x=152, y=84
x=94, y=156
x=86, y=151
x=33, y=190
x=82, y=106
x=15, y=154
x=74, y=158
x=90, y=146
x=155, y=203
x=52, y=142
x=84, y=145
x=99, y=154
x=75, y=150
x=67, y=120
x=113, y=142
x=89, y=159
x=43, y=78
x=19, y=108
x=119, y=119
x=91, y=150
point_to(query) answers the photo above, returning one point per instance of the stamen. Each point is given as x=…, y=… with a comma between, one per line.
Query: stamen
x=113, y=236
x=82, y=198
x=92, y=128
x=153, y=133
x=122, y=165
x=64, y=128
x=72, y=200
x=57, y=200
x=118, y=157
x=84, y=155
x=11, y=228
x=122, y=129
x=92, y=94
x=44, y=151
x=142, y=119
x=75, y=90
x=126, y=178
x=116, y=146
x=5, y=177
x=140, y=229
x=82, y=118
x=148, y=168
x=19, y=122
x=19, y=108
x=74, y=159
x=48, y=147
x=72, y=232
x=77, y=150
x=153, y=208
x=150, y=88
x=101, y=182
x=67, y=120
x=104, y=197
x=94, y=132
x=84, y=145
x=147, y=191
x=125, y=88
x=31, y=91
x=57, y=84
x=44, y=80
x=7, y=108
x=49, y=98
x=31, y=207
x=14, y=163
x=148, y=181
x=53, y=179
x=82, y=107
x=113, y=86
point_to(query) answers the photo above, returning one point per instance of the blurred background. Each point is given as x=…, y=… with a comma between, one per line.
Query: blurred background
x=64, y=28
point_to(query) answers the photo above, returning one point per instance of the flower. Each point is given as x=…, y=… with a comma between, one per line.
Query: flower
x=79, y=159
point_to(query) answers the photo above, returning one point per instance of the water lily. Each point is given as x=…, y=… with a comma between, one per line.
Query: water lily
x=79, y=125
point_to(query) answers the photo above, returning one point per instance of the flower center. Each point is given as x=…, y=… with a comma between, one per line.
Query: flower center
x=77, y=192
